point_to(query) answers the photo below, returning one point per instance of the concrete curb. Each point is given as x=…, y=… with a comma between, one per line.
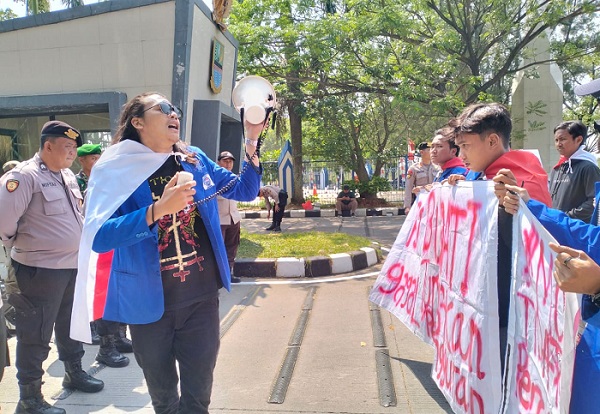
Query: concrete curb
x=315, y=266
x=360, y=212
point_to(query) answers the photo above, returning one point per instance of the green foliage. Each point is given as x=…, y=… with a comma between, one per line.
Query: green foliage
x=7, y=14
x=537, y=108
x=272, y=155
x=367, y=75
x=371, y=187
x=36, y=6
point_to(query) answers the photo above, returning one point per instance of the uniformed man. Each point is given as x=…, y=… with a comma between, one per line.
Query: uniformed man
x=41, y=223
x=111, y=336
x=418, y=175
x=279, y=197
x=87, y=155
x=10, y=283
x=230, y=217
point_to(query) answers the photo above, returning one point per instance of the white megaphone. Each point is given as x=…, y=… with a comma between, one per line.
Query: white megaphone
x=255, y=95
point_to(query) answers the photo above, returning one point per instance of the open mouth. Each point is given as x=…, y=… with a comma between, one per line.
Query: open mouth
x=174, y=127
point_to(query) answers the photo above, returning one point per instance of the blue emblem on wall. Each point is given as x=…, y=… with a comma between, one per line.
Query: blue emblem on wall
x=216, y=66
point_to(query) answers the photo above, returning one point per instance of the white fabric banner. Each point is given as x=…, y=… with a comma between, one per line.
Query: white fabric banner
x=440, y=280
x=543, y=323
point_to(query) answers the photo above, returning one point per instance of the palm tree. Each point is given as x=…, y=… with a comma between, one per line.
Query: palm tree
x=72, y=3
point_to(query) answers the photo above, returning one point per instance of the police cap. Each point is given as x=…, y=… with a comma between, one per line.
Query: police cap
x=61, y=129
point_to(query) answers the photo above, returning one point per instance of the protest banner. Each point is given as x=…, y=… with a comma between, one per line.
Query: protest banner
x=440, y=280
x=542, y=325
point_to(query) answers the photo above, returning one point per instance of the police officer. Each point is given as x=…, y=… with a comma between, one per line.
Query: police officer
x=42, y=222
x=110, y=335
x=419, y=174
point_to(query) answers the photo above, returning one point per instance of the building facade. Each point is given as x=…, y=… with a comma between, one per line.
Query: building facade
x=81, y=65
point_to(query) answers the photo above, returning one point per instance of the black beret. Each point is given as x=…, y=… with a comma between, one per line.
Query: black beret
x=423, y=145
x=62, y=130
x=225, y=154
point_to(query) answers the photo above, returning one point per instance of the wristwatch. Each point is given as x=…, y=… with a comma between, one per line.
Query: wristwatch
x=595, y=299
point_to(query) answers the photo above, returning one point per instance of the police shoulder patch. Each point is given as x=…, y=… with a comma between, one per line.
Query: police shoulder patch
x=12, y=185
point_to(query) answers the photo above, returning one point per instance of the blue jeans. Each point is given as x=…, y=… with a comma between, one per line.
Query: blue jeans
x=189, y=336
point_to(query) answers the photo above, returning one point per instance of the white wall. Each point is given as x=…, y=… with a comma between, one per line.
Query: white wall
x=129, y=51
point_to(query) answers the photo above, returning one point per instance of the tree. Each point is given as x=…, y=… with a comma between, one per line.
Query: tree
x=338, y=61
x=36, y=6
x=7, y=14
x=43, y=6
x=272, y=43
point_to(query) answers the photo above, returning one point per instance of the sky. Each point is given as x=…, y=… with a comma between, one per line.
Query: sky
x=19, y=8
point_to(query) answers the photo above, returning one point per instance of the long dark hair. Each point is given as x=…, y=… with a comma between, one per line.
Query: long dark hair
x=135, y=109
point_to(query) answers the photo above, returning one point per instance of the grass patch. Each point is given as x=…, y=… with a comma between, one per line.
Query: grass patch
x=305, y=244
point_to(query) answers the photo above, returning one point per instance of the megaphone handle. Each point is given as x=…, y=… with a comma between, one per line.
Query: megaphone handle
x=249, y=163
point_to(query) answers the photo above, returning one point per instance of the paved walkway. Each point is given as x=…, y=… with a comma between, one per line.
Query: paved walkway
x=288, y=346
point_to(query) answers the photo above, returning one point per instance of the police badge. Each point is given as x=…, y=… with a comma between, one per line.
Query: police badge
x=216, y=66
x=12, y=185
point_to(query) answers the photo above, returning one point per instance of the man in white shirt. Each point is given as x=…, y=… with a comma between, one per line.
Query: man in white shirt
x=230, y=217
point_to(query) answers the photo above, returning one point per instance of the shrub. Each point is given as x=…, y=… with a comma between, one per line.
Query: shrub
x=370, y=188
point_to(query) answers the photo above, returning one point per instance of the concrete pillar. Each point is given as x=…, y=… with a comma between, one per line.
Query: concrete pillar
x=537, y=102
x=215, y=128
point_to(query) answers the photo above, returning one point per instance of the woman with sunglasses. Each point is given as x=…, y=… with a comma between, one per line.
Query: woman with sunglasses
x=168, y=257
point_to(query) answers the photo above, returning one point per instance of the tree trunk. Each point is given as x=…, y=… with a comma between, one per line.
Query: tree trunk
x=293, y=108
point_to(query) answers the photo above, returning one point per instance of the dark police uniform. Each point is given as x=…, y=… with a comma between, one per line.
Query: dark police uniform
x=41, y=222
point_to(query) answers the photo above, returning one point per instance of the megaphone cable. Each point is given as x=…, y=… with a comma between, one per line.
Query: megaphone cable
x=231, y=183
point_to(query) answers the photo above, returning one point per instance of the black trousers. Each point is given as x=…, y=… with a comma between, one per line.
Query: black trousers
x=4, y=357
x=278, y=215
x=44, y=304
x=190, y=337
x=231, y=237
x=104, y=327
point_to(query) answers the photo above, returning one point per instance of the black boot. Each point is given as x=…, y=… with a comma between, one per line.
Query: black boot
x=109, y=355
x=76, y=378
x=32, y=401
x=95, y=336
x=123, y=343
x=271, y=227
x=277, y=226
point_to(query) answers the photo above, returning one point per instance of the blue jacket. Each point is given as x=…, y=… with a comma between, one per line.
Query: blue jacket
x=135, y=292
x=449, y=171
x=576, y=234
x=579, y=235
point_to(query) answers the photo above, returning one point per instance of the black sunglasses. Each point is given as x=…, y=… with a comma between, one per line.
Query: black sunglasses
x=166, y=108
